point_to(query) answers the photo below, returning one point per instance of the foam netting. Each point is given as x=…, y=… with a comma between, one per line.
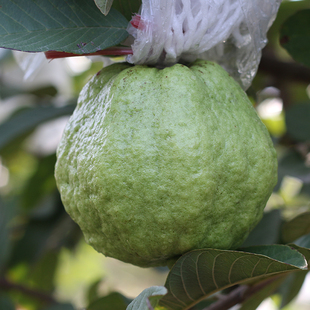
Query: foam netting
x=230, y=32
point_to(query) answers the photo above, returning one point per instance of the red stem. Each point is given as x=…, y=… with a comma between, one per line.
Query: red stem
x=113, y=51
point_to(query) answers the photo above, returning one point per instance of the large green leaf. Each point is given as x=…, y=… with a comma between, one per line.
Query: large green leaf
x=295, y=36
x=200, y=273
x=75, y=26
x=27, y=120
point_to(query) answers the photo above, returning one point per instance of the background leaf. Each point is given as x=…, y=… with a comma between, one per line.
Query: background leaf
x=201, y=273
x=60, y=307
x=127, y=7
x=297, y=121
x=27, y=120
x=267, y=230
x=295, y=36
x=295, y=228
x=75, y=26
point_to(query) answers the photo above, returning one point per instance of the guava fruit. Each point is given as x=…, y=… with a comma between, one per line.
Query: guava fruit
x=157, y=162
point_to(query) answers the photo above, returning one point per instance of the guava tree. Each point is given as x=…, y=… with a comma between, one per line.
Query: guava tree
x=272, y=261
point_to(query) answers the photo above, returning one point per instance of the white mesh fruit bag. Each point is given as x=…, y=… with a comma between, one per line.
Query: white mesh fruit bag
x=230, y=32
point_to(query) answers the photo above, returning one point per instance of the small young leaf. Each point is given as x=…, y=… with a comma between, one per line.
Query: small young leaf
x=200, y=273
x=297, y=227
x=104, y=5
x=73, y=26
x=295, y=36
x=115, y=301
x=148, y=299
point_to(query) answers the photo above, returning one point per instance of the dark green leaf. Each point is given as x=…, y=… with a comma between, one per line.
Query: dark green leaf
x=43, y=273
x=293, y=164
x=64, y=306
x=127, y=7
x=7, y=211
x=6, y=303
x=295, y=228
x=115, y=301
x=297, y=121
x=92, y=293
x=267, y=231
x=303, y=241
x=148, y=299
x=25, y=121
x=291, y=287
x=201, y=273
x=104, y=5
x=75, y=26
x=41, y=183
x=295, y=36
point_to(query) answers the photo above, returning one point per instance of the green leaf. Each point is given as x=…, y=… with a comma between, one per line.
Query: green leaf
x=75, y=26
x=148, y=299
x=127, y=7
x=7, y=211
x=104, y=5
x=297, y=121
x=295, y=36
x=200, y=273
x=115, y=301
x=6, y=303
x=27, y=120
x=43, y=273
x=42, y=182
x=267, y=231
x=303, y=241
x=295, y=228
x=291, y=287
x=92, y=292
x=64, y=306
x=293, y=164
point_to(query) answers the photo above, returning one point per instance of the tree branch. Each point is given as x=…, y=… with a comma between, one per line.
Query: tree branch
x=288, y=71
x=39, y=295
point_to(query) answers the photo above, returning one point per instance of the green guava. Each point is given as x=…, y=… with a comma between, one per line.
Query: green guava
x=157, y=162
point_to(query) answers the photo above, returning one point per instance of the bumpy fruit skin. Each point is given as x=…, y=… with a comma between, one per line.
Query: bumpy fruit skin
x=154, y=163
